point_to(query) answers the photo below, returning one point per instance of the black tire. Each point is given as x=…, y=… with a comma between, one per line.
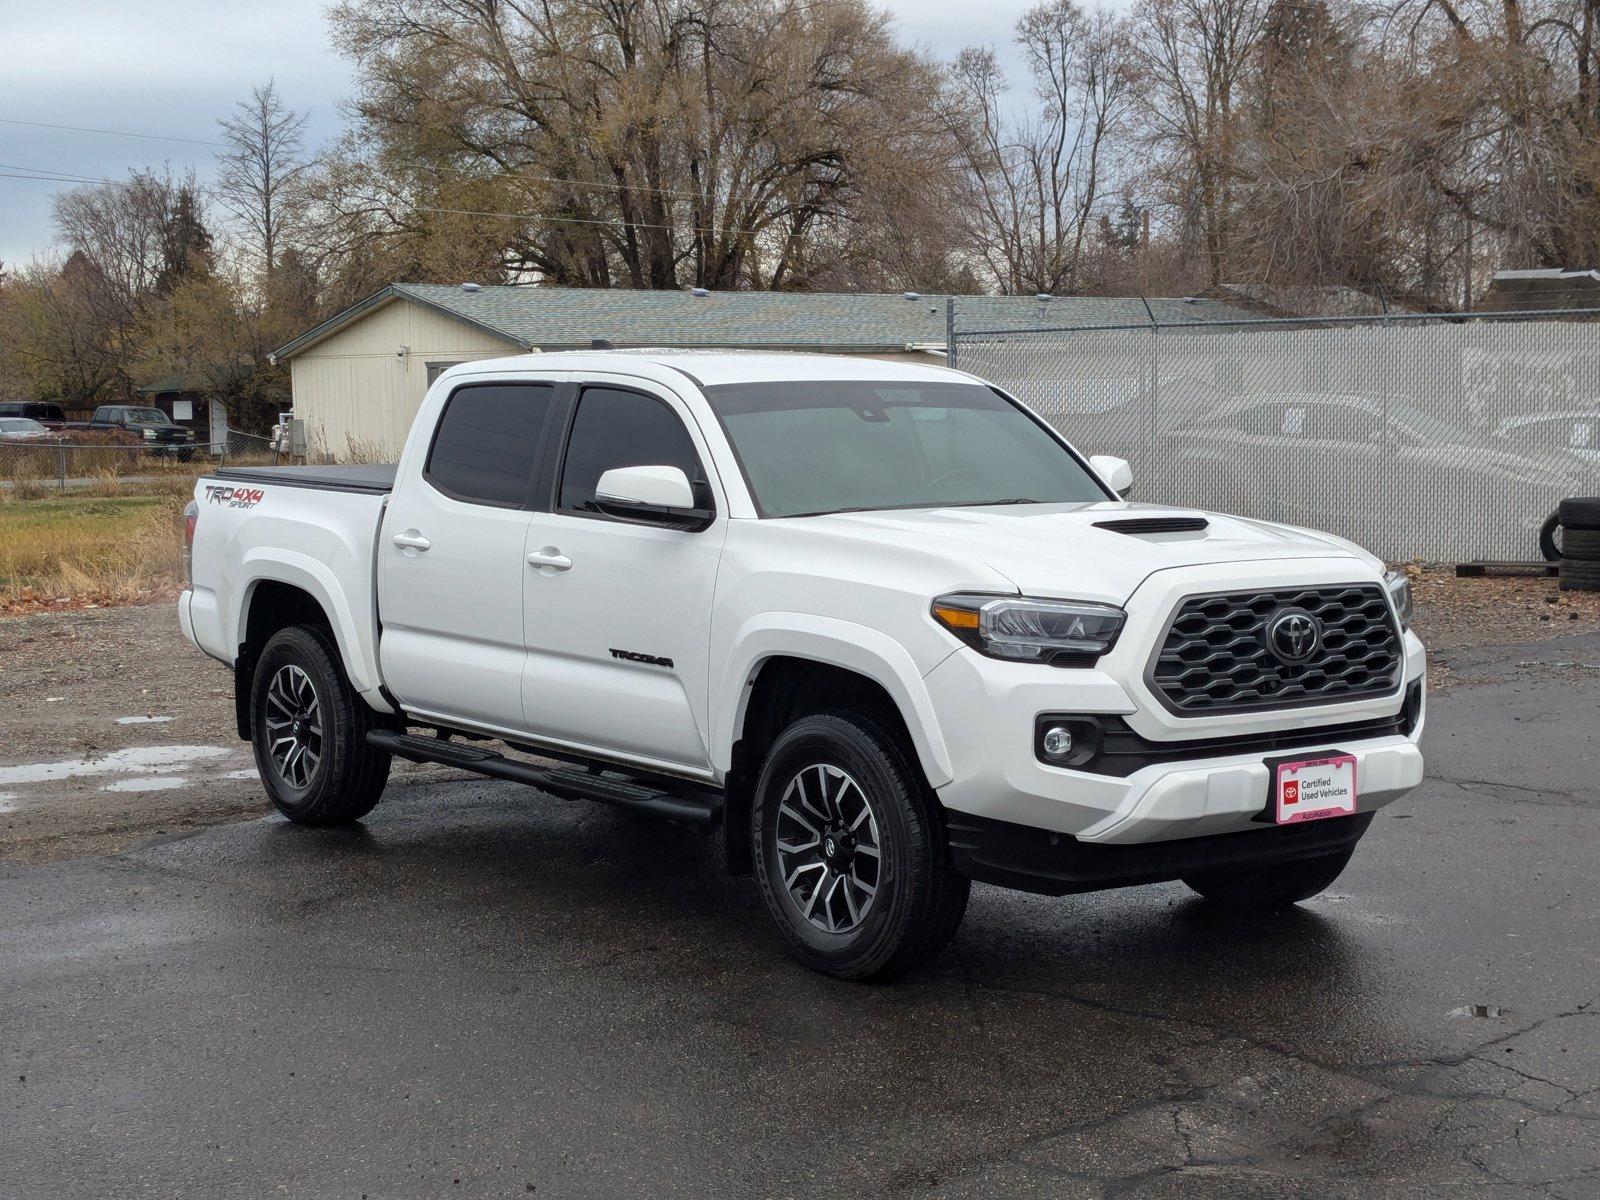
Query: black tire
x=918, y=898
x=1580, y=576
x=1270, y=887
x=1547, y=538
x=1580, y=512
x=1581, y=544
x=347, y=778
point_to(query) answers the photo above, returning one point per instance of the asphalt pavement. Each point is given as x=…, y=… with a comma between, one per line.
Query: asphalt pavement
x=483, y=991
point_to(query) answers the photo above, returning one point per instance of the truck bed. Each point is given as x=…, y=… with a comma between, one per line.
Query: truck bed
x=375, y=479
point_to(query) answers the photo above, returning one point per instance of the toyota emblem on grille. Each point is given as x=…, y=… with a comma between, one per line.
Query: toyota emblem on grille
x=1293, y=636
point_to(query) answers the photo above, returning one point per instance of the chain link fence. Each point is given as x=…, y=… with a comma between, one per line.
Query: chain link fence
x=1449, y=439
x=68, y=464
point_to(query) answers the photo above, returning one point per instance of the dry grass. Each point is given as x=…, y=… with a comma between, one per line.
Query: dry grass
x=77, y=550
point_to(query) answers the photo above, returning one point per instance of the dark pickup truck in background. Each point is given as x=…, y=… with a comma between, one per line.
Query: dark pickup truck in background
x=51, y=416
x=160, y=432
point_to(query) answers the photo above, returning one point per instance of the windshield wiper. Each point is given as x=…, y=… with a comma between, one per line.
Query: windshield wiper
x=832, y=512
x=995, y=503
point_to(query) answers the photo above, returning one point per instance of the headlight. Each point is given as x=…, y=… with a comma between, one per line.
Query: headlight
x=149, y=435
x=1398, y=585
x=1060, y=632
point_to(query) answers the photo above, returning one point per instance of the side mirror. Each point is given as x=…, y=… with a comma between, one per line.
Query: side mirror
x=1115, y=471
x=651, y=496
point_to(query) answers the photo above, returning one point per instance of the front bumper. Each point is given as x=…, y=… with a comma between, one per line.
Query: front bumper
x=1036, y=860
x=997, y=775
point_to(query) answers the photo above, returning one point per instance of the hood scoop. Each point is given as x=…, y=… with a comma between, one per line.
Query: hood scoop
x=1138, y=526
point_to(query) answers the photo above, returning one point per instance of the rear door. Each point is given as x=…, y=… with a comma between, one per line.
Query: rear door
x=451, y=556
x=618, y=615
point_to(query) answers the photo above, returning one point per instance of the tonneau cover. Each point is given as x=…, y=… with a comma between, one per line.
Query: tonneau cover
x=376, y=478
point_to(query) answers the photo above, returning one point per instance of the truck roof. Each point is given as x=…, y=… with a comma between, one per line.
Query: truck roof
x=712, y=367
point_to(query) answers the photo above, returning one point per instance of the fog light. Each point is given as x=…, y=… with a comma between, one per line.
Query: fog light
x=1057, y=742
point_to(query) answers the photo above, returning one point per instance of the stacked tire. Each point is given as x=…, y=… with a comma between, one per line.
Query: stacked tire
x=1580, y=544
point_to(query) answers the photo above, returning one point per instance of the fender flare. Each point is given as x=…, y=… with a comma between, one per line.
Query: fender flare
x=844, y=644
x=270, y=564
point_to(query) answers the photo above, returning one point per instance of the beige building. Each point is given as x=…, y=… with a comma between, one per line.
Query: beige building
x=359, y=377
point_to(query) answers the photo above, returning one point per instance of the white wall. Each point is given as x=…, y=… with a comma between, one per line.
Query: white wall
x=357, y=395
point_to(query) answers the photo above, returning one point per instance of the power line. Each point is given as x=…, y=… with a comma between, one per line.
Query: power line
x=149, y=137
x=50, y=174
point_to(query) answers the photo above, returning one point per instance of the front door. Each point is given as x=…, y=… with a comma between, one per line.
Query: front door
x=618, y=615
x=451, y=558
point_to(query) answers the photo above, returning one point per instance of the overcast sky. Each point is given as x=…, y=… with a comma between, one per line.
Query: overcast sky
x=171, y=67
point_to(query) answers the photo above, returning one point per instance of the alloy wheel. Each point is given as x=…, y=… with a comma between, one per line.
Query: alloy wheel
x=294, y=726
x=829, y=854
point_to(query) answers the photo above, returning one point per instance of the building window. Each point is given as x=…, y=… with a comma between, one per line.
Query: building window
x=436, y=369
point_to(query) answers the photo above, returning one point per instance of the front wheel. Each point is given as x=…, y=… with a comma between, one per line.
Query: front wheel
x=850, y=849
x=309, y=731
x=1276, y=886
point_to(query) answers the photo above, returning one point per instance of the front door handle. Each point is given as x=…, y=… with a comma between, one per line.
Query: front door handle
x=411, y=540
x=550, y=559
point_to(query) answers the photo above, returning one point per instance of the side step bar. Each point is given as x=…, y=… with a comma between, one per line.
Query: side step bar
x=698, y=810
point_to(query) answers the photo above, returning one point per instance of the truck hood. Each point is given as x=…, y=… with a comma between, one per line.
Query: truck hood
x=1059, y=549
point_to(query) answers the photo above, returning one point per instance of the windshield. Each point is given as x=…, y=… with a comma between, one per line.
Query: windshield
x=147, y=416
x=20, y=425
x=810, y=448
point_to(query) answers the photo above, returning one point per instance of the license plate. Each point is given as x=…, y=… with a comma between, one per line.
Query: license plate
x=1314, y=788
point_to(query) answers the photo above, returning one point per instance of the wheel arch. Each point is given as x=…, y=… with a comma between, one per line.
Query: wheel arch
x=780, y=675
x=280, y=591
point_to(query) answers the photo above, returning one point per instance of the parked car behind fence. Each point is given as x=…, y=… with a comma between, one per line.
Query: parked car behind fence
x=1445, y=437
x=79, y=457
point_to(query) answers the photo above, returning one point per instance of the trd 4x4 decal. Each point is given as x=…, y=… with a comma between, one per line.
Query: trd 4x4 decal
x=232, y=497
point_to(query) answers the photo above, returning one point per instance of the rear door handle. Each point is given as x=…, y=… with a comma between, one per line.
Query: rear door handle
x=550, y=557
x=411, y=540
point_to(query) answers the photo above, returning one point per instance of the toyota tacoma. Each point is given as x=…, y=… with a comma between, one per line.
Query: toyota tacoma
x=876, y=625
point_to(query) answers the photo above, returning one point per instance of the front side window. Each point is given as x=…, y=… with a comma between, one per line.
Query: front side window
x=809, y=448
x=486, y=448
x=614, y=428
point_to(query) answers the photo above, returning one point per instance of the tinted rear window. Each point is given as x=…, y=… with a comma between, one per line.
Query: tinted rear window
x=487, y=445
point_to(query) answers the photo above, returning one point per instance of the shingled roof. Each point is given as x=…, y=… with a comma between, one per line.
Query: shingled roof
x=568, y=318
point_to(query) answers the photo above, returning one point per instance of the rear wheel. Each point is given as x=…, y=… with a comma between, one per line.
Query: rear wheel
x=1276, y=886
x=309, y=731
x=850, y=849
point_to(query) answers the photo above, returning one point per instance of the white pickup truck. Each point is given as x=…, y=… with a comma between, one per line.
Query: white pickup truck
x=878, y=623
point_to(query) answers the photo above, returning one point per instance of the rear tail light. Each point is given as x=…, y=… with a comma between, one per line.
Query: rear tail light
x=191, y=517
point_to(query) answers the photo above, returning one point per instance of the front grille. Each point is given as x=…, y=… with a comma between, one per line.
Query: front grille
x=1215, y=659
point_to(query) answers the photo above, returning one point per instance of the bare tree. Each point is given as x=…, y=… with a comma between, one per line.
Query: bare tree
x=726, y=143
x=1035, y=181
x=1193, y=57
x=261, y=174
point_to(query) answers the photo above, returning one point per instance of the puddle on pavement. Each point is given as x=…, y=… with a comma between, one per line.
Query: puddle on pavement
x=138, y=760
x=1486, y=1012
x=143, y=720
x=6, y=802
x=247, y=773
x=170, y=783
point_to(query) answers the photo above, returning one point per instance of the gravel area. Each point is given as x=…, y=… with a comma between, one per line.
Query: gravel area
x=1497, y=610
x=115, y=729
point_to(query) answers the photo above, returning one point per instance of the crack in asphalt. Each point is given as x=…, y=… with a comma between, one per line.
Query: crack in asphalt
x=1367, y=1075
